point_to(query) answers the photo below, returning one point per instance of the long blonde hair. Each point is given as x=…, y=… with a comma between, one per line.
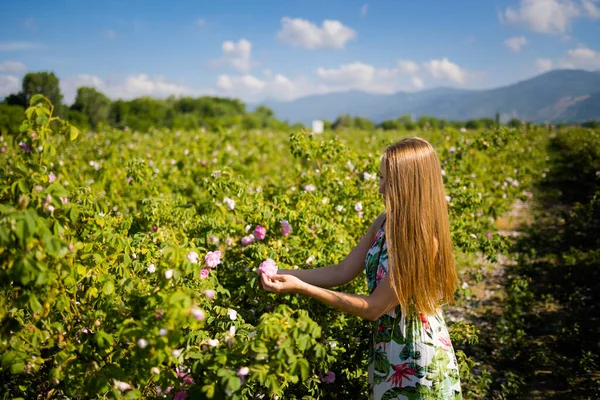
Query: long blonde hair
x=421, y=273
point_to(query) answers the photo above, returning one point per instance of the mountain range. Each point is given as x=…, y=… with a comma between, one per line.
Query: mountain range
x=555, y=96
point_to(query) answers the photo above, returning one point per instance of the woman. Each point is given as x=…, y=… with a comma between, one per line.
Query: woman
x=410, y=271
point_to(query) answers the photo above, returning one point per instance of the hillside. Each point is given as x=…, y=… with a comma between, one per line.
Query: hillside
x=554, y=96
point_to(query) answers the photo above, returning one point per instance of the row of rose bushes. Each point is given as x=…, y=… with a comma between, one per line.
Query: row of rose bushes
x=130, y=260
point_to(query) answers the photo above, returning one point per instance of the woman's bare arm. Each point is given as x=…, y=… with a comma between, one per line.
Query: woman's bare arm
x=369, y=307
x=345, y=271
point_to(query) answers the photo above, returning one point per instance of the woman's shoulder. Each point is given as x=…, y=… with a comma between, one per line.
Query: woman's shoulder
x=375, y=225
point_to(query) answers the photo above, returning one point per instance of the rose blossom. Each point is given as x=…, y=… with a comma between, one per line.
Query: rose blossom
x=268, y=267
x=259, y=232
x=213, y=258
x=204, y=273
x=246, y=240
x=197, y=314
x=51, y=177
x=210, y=294
x=232, y=314
x=230, y=203
x=286, y=228
x=193, y=257
x=329, y=377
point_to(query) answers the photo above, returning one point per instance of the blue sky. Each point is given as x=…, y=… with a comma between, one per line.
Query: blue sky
x=288, y=49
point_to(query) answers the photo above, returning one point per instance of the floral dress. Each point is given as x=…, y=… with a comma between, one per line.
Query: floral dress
x=411, y=356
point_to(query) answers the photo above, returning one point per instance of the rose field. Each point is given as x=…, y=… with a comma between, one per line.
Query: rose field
x=129, y=260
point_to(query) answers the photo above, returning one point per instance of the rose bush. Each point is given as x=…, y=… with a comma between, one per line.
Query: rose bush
x=103, y=289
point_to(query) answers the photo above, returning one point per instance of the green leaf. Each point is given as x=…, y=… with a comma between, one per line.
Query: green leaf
x=34, y=303
x=17, y=368
x=209, y=390
x=108, y=288
x=36, y=98
x=73, y=132
x=234, y=383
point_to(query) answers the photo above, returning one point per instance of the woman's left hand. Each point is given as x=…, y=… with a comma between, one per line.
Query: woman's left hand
x=282, y=283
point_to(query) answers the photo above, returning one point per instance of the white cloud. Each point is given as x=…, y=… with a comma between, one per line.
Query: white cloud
x=9, y=84
x=445, y=69
x=17, y=46
x=582, y=58
x=515, y=43
x=200, y=22
x=356, y=72
x=549, y=16
x=578, y=58
x=302, y=33
x=251, y=88
x=13, y=67
x=236, y=55
x=590, y=8
x=407, y=66
x=545, y=16
x=544, y=65
x=110, y=33
x=132, y=87
x=405, y=75
x=417, y=82
x=361, y=76
x=364, y=9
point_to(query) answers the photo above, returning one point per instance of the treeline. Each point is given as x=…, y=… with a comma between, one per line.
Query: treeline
x=93, y=109
x=406, y=122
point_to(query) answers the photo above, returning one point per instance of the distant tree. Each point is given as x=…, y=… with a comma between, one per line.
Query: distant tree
x=514, y=123
x=363, y=124
x=78, y=118
x=390, y=125
x=591, y=124
x=95, y=105
x=16, y=99
x=473, y=124
x=487, y=123
x=45, y=83
x=11, y=117
x=119, y=111
x=264, y=112
x=327, y=125
x=343, y=121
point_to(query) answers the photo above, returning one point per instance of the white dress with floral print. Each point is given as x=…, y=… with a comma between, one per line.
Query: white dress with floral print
x=411, y=355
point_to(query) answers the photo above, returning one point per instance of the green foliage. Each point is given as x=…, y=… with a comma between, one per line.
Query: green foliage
x=95, y=105
x=44, y=83
x=100, y=291
x=11, y=117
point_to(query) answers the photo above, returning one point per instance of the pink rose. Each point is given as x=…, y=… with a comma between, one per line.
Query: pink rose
x=51, y=177
x=198, y=314
x=213, y=239
x=180, y=395
x=259, y=232
x=268, y=267
x=210, y=294
x=204, y=273
x=329, y=377
x=212, y=258
x=246, y=240
x=286, y=228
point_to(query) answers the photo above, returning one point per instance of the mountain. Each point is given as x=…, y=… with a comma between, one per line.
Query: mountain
x=555, y=96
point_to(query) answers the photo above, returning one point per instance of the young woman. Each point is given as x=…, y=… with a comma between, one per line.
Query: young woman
x=407, y=253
